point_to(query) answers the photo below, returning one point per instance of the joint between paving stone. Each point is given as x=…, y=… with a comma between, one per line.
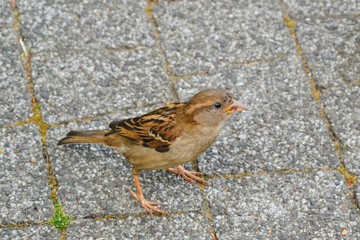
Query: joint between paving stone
x=315, y=88
x=205, y=206
x=22, y=225
x=155, y=28
x=99, y=50
x=37, y=116
x=316, y=92
x=92, y=117
x=206, y=212
x=237, y=64
x=351, y=181
x=253, y=62
x=96, y=217
x=265, y=173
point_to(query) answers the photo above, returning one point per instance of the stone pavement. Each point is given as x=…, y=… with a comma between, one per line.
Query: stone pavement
x=285, y=169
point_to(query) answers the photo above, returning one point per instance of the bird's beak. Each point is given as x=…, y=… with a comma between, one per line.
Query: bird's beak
x=234, y=107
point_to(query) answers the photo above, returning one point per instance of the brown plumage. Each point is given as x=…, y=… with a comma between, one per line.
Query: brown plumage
x=167, y=137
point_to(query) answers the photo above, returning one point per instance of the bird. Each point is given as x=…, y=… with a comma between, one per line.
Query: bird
x=165, y=138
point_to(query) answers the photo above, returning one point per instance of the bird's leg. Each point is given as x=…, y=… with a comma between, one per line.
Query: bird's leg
x=149, y=206
x=189, y=176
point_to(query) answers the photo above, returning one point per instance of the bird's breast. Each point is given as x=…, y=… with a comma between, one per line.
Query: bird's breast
x=184, y=149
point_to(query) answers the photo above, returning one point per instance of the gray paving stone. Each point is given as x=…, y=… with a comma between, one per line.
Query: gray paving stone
x=38, y=232
x=342, y=105
x=81, y=84
x=24, y=191
x=93, y=180
x=281, y=128
x=322, y=8
x=188, y=226
x=201, y=35
x=15, y=99
x=290, y=206
x=5, y=18
x=92, y=24
x=331, y=47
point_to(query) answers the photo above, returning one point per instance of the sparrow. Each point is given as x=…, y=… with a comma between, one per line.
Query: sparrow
x=165, y=138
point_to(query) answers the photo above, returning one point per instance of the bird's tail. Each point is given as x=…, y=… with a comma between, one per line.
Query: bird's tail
x=92, y=136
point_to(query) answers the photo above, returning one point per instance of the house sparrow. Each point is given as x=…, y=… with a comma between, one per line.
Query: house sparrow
x=165, y=138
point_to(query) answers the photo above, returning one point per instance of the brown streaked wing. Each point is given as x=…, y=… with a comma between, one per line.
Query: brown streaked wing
x=156, y=129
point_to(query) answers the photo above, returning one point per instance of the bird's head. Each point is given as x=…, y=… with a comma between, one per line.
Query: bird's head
x=211, y=107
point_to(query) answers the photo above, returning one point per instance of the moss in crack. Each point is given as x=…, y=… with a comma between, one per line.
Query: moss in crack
x=291, y=24
x=60, y=220
x=351, y=179
x=155, y=27
x=38, y=120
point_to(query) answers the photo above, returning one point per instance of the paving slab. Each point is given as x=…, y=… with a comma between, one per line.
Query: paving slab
x=83, y=84
x=34, y=232
x=342, y=105
x=291, y=206
x=189, y=226
x=323, y=9
x=202, y=35
x=331, y=47
x=93, y=180
x=281, y=129
x=64, y=25
x=24, y=191
x=14, y=106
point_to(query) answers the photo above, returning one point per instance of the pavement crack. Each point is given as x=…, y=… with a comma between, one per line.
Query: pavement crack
x=22, y=225
x=265, y=173
x=206, y=212
x=155, y=28
x=37, y=116
x=123, y=111
x=253, y=62
x=316, y=92
x=101, y=217
x=61, y=51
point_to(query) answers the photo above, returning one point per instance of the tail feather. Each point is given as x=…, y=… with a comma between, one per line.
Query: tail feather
x=92, y=136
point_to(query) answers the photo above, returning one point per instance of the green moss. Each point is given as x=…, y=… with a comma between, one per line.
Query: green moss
x=289, y=22
x=60, y=220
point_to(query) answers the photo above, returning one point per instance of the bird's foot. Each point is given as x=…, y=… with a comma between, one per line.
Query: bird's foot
x=149, y=206
x=189, y=176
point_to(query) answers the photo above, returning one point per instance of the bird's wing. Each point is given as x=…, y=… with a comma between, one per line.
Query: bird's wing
x=157, y=129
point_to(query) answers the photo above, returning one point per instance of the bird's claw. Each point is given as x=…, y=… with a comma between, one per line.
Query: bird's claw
x=189, y=176
x=149, y=206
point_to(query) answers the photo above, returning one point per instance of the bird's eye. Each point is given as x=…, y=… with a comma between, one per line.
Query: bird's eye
x=217, y=105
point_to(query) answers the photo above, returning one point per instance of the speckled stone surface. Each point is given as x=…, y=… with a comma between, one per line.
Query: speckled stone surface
x=93, y=180
x=97, y=61
x=289, y=131
x=203, y=35
x=38, y=232
x=84, y=25
x=189, y=226
x=292, y=206
x=24, y=191
x=98, y=82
